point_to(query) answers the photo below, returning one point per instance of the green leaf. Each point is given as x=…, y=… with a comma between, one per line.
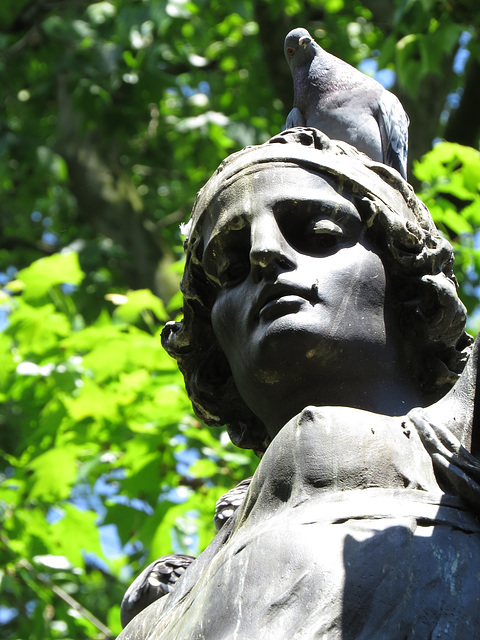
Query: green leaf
x=75, y=533
x=161, y=540
x=45, y=273
x=94, y=402
x=139, y=302
x=203, y=468
x=127, y=520
x=28, y=532
x=455, y=221
x=7, y=362
x=54, y=473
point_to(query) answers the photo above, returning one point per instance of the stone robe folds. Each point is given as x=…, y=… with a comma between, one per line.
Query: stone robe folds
x=345, y=533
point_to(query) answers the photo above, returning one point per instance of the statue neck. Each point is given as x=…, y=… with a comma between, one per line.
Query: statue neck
x=385, y=396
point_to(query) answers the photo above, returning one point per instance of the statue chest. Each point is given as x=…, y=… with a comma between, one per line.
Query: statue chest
x=308, y=574
x=360, y=545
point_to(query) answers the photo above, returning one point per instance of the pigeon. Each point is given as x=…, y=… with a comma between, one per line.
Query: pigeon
x=229, y=503
x=156, y=581
x=344, y=103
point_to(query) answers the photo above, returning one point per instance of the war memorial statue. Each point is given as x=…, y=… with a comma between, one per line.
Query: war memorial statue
x=322, y=326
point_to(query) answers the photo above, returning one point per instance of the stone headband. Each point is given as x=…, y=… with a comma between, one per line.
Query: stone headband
x=311, y=149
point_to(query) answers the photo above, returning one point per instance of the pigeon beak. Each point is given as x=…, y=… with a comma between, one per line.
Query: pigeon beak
x=305, y=41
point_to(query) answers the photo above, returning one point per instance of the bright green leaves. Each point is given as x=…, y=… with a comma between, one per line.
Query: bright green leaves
x=75, y=533
x=52, y=474
x=91, y=401
x=138, y=305
x=450, y=176
x=454, y=167
x=204, y=468
x=38, y=329
x=29, y=533
x=166, y=517
x=45, y=273
x=86, y=405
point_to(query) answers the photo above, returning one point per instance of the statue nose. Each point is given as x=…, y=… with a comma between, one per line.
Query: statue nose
x=269, y=251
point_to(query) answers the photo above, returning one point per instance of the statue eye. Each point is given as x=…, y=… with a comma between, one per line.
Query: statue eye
x=226, y=257
x=234, y=273
x=328, y=227
x=323, y=242
x=322, y=236
x=313, y=227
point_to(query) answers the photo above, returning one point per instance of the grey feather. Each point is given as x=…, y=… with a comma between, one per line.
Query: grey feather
x=229, y=503
x=156, y=581
x=344, y=103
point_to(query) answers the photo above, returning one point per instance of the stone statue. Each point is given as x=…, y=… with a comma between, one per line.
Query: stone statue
x=322, y=326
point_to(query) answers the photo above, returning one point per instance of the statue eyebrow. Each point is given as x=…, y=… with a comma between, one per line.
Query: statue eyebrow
x=343, y=212
x=325, y=206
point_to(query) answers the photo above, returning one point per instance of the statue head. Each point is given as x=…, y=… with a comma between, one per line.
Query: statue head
x=395, y=290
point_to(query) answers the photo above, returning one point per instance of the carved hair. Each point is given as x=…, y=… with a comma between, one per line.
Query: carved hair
x=417, y=260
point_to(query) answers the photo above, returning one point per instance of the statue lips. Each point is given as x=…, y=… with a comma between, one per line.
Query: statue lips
x=279, y=299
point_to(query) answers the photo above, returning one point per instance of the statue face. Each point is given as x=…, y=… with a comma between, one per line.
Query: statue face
x=302, y=297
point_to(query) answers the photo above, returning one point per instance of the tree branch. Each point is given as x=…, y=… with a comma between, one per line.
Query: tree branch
x=62, y=594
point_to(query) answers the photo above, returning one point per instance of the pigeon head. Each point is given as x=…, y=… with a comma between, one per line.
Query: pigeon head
x=299, y=47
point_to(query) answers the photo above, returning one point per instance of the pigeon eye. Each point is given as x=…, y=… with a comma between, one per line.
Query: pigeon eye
x=290, y=51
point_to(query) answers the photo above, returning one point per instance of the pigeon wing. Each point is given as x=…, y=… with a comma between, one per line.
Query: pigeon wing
x=295, y=118
x=155, y=581
x=393, y=124
x=229, y=503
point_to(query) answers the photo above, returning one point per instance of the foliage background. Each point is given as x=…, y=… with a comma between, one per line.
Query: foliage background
x=114, y=113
